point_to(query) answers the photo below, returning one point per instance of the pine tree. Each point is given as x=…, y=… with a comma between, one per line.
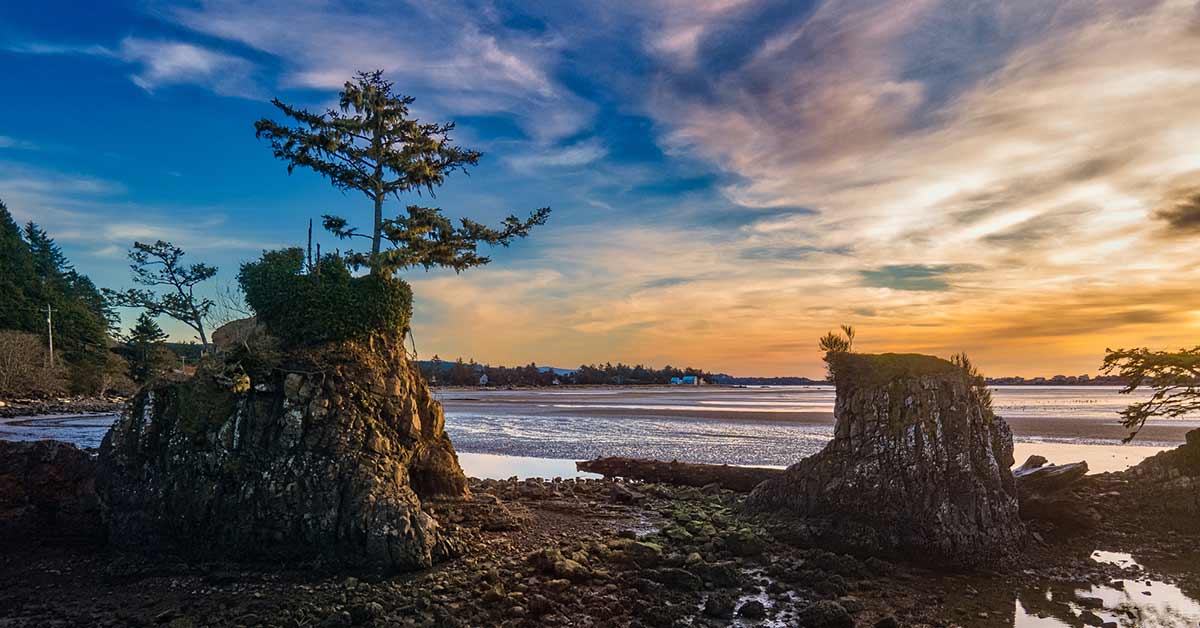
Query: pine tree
x=49, y=263
x=1173, y=376
x=161, y=266
x=147, y=350
x=371, y=145
x=34, y=275
x=17, y=308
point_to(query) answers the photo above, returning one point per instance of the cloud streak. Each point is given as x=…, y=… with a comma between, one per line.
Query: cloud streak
x=165, y=63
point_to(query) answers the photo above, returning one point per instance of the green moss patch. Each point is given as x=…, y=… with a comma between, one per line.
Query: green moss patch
x=881, y=369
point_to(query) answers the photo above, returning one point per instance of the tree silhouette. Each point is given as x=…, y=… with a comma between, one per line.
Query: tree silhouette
x=370, y=144
x=161, y=266
x=1174, y=376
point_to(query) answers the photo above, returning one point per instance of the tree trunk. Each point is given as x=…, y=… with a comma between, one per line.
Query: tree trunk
x=377, y=233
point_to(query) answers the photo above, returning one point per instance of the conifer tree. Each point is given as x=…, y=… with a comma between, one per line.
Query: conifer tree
x=160, y=266
x=35, y=275
x=1173, y=376
x=371, y=145
x=147, y=350
x=17, y=309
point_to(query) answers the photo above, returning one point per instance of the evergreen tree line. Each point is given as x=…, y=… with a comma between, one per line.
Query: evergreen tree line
x=468, y=373
x=88, y=355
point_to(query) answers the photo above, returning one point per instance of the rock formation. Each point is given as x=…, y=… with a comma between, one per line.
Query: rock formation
x=47, y=492
x=313, y=454
x=918, y=467
x=1168, y=484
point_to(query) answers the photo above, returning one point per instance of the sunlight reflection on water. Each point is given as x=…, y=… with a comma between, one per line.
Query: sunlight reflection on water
x=1133, y=601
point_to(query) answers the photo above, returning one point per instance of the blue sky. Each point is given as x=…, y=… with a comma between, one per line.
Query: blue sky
x=729, y=178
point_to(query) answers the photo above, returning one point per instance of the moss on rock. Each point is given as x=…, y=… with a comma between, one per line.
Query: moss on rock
x=880, y=369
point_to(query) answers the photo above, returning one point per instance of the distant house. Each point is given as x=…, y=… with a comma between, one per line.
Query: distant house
x=686, y=380
x=675, y=381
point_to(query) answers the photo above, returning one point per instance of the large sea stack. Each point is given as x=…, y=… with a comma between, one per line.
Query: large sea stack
x=317, y=454
x=918, y=468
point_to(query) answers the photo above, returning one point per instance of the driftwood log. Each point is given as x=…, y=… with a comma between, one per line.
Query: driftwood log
x=740, y=479
x=1045, y=493
x=1035, y=477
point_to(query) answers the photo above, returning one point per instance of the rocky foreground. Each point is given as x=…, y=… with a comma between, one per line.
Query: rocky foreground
x=318, y=488
x=590, y=553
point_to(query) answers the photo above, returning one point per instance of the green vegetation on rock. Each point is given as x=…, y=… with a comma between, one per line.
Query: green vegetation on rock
x=324, y=304
x=881, y=369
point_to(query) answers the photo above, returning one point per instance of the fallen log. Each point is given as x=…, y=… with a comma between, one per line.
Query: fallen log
x=1035, y=477
x=740, y=479
x=1044, y=492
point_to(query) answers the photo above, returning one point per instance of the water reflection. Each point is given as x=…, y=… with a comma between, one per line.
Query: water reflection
x=1133, y=600
x=498, y=467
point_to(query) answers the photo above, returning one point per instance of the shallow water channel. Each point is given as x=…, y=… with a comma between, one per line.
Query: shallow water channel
x=1132, y=599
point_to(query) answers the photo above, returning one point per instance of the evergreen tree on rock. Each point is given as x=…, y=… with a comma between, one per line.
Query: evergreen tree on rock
x=148, y=353
x=371, y=145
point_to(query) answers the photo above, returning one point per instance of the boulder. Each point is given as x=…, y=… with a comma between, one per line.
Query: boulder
x=918, y=467
x=47, y=492
x=324, y=454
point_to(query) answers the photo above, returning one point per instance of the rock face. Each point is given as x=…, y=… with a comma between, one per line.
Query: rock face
x=47, y=492
x=1168, y=483
x=918, y=467
x=313, y=455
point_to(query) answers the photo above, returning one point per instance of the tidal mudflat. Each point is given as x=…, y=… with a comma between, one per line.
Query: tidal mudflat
x=768, y=426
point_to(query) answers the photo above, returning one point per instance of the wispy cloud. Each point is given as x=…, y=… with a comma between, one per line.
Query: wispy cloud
x=463, y=57
x=12, y=142
x=96, y=214
x=580, y=153
x=164, y=63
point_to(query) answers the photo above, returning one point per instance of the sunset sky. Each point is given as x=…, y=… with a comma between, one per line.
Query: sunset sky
x=729, y=179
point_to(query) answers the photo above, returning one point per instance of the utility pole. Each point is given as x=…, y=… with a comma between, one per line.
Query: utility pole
x=50, y=332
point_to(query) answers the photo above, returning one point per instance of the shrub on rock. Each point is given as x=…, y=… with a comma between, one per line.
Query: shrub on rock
x=325, y=304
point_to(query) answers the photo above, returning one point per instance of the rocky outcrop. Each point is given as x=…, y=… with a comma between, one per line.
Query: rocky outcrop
x=1168, y=484
x=918, y=467
x=47, y=492
x=318, y=454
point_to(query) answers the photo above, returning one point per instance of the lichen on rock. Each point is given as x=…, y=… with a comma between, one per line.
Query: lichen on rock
x=325, y=456
x=918, y=467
